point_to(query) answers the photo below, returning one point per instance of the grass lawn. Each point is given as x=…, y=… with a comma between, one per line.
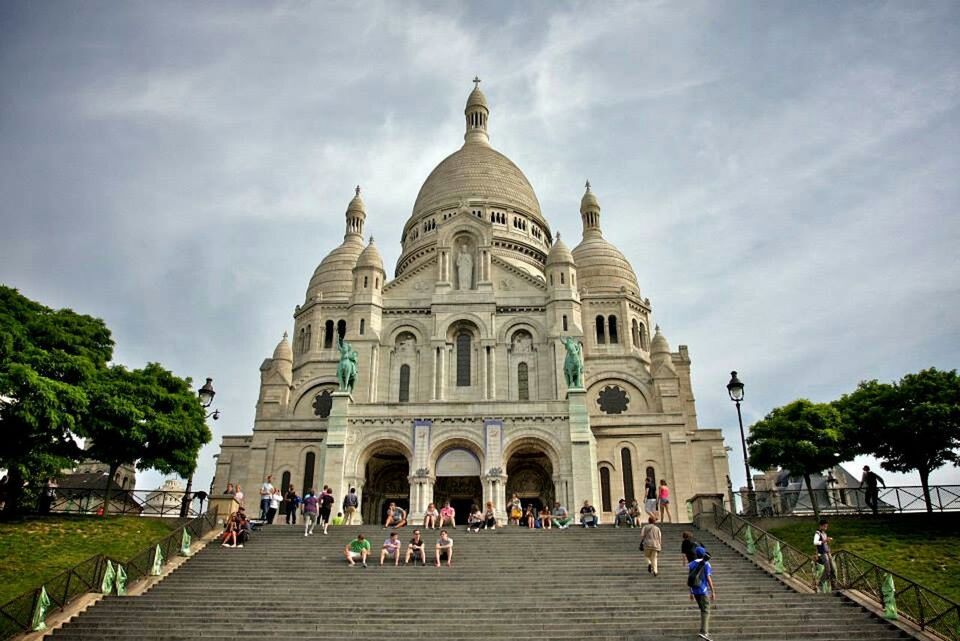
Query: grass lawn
x=40, y=548
x=923, y=550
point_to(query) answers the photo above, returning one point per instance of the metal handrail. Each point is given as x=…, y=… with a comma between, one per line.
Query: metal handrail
x=92, y=500
x=929, y=610
x=838, y=501
x=16, y=615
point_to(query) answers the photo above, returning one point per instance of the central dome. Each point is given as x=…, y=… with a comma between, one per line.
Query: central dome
x=477, y=171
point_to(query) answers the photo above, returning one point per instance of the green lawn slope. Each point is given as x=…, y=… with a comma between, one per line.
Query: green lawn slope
x=923, y=549
x=38, y=549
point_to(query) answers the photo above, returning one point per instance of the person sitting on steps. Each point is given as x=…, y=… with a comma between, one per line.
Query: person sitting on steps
x=357, y=550
x=622, y=515
x=560, y=516
x=448, y=516
x=475, y=520
x=391, y=547
x=545, y=518
x=530, y=516
x=396, y=516
x=415, y=549
x=588, y=515
x=431, y=517
x=444, y=548
x=489, y=517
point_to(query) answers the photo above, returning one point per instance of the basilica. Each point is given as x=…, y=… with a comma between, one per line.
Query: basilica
x=460, y=393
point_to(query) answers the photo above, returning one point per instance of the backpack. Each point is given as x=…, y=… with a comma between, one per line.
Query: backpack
x=695, y=576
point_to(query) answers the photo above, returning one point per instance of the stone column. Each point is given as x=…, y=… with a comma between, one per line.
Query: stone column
x=583, y=451
x=333, y=468
x=493, y=372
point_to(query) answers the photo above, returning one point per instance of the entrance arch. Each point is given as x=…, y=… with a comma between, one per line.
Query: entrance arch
x=530, y=475
x=458, y=480
x=386, y=479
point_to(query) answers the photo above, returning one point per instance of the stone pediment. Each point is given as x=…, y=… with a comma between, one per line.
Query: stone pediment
x=416, y=283
x=512, y=280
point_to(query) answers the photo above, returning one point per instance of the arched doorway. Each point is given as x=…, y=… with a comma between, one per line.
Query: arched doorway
x=530, y=476
x=458, y=481
x=386, y=480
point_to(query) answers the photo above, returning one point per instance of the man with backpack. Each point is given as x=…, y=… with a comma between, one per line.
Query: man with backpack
x=350, y=504
x=700, y=581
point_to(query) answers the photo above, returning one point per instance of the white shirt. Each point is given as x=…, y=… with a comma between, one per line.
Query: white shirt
x=266, y=490
x=275, y=500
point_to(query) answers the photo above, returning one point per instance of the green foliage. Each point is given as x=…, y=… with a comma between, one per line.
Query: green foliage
x=46, y=357
x=37, y=549
x=913, y=424
x=923, y=549
x=147, y=416
x=802, y=437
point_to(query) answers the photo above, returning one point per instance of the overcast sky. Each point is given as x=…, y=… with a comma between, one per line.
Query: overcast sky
x=783, y=176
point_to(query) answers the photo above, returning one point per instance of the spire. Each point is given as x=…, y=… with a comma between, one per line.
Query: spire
x=590, y=213
x=477, y=113
x=283, y=351
x=356, y=215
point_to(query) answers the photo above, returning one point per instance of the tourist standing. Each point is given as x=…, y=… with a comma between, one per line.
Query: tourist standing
x=238, y=496
x=869, y=480
x=514, y=511
x=702, y=591
x=351, y=503
x=293, y=502
x=821, y=542
x=311, y=508
x=266, y=491
x=326, y=506
x=275, y=500
x=650, y=541
x=359, y=548
x=688, y=546
x=650, y=496
x=664, y=498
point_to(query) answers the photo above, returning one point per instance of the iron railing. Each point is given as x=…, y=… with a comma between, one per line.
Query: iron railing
x=16, y=615
x=840, y=501
x=93, y=500
x=929, y=610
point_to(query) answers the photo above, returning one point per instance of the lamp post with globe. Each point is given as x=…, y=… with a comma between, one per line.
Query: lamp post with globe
x=205, y=394
x=735, y=389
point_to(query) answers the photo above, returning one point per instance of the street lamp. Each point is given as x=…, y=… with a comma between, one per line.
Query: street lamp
x=735, y=389
x=205, y=394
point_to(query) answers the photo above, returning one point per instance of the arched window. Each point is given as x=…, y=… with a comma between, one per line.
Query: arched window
x=366, y=282
x=308, y=465
x=362, y=325
x=463, y=359
x=341, y=329
x=285, y=482
x=404, y=383
x=565, y=322
x=643, y=336
x=551, y=279
x=627, y=474
x=601, y=339
x=562, y=282
x=605, y=502
x=523, y=383
x=307, y=340
x=652, y=475
x=636, y=333
x=612, y=322
x=328, y=335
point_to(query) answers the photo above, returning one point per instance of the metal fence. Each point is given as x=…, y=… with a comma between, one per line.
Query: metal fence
x=97, y=500
x=16, y=615
x=840, y=501
x=929, y=610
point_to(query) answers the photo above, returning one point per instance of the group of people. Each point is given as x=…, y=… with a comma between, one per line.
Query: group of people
x=313, y=507
x=359, y=549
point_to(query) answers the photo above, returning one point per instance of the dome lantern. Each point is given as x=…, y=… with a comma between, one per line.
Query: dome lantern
x=590, y=213
x=477, y=113
x=356, y=215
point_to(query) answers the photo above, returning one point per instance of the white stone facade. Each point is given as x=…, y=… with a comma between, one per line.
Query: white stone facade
x=461, y=393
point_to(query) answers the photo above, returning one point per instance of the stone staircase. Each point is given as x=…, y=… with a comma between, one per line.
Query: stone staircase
x=506, y=584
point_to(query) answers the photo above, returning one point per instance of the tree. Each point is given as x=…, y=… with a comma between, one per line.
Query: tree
x=46, y=357
x=911, y=425
x=802, y=437
x=148, y=417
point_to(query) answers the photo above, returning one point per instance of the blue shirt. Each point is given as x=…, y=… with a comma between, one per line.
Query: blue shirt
x=704, y=587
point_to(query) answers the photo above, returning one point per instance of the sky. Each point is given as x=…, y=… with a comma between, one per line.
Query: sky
x=782, y=176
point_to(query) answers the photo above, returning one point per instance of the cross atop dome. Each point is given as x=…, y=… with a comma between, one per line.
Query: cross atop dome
x=476, y=82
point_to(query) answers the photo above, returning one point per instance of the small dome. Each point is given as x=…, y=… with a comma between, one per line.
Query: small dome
x=559, y=253
x=476, y=99
x=659, y=343
x=589, y=201
x=356, y=203
x=283, y=352
x=334, y=275
x=603, y=267
x=370, y=257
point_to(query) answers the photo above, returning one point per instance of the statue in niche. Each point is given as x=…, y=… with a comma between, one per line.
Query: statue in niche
x=464, y=268
x=573, y=363
x=347, y=368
